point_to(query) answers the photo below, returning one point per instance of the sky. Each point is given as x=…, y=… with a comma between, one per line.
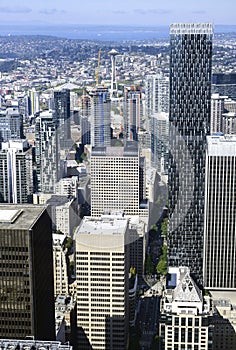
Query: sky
x=120, y=12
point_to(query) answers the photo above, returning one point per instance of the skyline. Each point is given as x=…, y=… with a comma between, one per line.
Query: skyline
x=104, y=12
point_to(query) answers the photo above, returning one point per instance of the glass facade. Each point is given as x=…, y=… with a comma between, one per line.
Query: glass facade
x=190, y=94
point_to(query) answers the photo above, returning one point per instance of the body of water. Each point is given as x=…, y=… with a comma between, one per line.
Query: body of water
x=98, y=32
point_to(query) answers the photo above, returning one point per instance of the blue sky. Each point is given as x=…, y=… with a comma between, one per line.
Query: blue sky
x=127, y=12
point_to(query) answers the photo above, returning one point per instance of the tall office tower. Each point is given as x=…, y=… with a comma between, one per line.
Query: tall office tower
x=100, y=116
x=85, y=123
x=117, y=180
x=46, y=152
x=217, y=110
x=224, y=84
x=34, y=106
x=16, y=172
x=102, y=268
x=85, y=126
x=26, y=273
x=157, y=94
x=185, y=321
x=160, y=141
x=190, y=100
x=132, y=112
x=220, y=216
x=113, y=53
x=62, y=114
x=11, y=125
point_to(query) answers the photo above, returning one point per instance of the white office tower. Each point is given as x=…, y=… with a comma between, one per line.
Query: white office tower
x=102, y=273
x=16, y=172
x=157, y=94
x=60, y=265
x=118, y=180
x=100, y=116
x=220, y=215
x=185, y=314
x=34, y=101
x=46, y=152
x=160, y=141
x=217, y=110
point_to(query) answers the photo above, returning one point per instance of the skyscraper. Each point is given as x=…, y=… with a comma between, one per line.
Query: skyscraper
x=157, y=94
x=62, y=114
x=46, y=152
x=160, y=141
x=102, y=267
x=26, y=273
x=132, y=112
x=117, y=180
x=16, y=172
x=190, y=99
x=217, y=110
x=100, y=116
x=220, y=215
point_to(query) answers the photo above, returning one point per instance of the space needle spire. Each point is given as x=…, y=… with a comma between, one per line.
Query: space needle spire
x=113, y=92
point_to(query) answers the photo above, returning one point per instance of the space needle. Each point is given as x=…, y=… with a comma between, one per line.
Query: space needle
x=113, y=92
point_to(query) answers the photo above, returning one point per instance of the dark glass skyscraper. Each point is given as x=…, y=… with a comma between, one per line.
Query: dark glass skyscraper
x=26, y=273
x=190, y=93
x=62, y=110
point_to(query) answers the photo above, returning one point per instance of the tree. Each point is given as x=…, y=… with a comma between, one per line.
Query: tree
x=69, y=242
x=132, y=270
x=164, y=227
x=149, y=264
x=162, y=263
x=162, y=267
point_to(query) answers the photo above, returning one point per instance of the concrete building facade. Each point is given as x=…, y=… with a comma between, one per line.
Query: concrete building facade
x=102, y=272
x=220, y=217
x=185, y=320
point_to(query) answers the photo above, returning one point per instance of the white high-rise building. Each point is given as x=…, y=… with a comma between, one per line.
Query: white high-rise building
x=102, y=273
x=118, y=180
x=217, y=110
x=46, y=152
x=219, y=264
x=16, y=172
x=157, y=94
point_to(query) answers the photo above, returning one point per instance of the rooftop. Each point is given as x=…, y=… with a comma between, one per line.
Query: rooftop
x=102, y=226
x=18, y=216
x=221, y=145
x=16, y=344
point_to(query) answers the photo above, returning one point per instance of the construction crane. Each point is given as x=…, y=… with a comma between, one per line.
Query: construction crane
x=97, y=69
